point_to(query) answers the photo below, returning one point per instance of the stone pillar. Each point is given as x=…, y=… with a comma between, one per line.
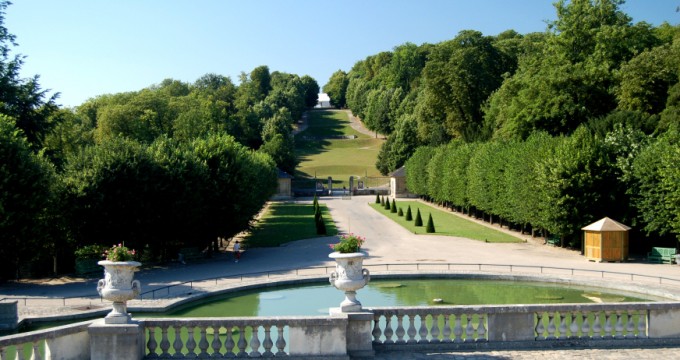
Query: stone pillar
x=116, y=341
x=360, y=334
x=9, y=316
x=511, y=327
x=323, y=338
x=663, y=323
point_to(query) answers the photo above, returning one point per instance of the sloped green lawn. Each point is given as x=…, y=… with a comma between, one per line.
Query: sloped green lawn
x=445, y=223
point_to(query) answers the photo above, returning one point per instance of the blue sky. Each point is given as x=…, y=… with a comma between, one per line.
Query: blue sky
x=85, y=48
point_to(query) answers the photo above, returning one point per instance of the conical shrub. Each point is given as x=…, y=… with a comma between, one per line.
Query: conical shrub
x=320, y=226
x=382, y=201
x=387, y=204
x=400, y=212
x=409, y=216
x=393, y=208
x=377, y=199
x=315, y=203
x=419, y=219
x=430, y=225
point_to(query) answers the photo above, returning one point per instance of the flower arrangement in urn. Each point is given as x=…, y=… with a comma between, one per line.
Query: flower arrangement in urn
x=348, y=244
x=119, y=253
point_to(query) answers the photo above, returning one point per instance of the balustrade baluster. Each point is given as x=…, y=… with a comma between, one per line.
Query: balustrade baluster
x=573, y=326
x=388, y=329
x=585, y=325
x=411, y=332
x=20, y=353
x=619, y=325
x=376, y=328
x=422, y=332
x=597, y=326
x=446, y=334
x=191, y=342
x=151, y=345
x=229, y=343
x=267, y=343
x=36, y=351
x=642, y=324
x=3, y=353
x=400, y=330
x=203, y=344
x=469, y=328
x=216, y=343
x=242, y=342
x=551, y=326
x=562, y=329
x=165, y=343
x=280, y=341
x=630, y=325
x=540, y=329
x=177, y=344
x=434, y=330
x=608, y=327
x=481, y=328
x=458, y=329
x=255, y=342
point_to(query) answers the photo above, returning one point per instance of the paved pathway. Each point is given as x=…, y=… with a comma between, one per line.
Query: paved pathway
x=387, y=243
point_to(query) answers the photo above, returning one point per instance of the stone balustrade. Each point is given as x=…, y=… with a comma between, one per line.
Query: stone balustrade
x=349, y=334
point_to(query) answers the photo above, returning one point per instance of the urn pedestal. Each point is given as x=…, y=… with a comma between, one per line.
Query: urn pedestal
x=349, y=276
x=118, y=286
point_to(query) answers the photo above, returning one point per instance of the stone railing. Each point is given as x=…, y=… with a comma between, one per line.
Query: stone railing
x=290, y=337
x=360, y=334
x=525, y=326
x=63, y=342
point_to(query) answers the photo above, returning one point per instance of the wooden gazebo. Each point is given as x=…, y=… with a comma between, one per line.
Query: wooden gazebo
x=606, y=240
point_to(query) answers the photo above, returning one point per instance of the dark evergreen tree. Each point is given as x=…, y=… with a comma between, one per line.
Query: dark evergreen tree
x=419, y=219
x=387, y=204
x=393, y=208
x=400, y=212
x=409, y=216
x=377, y=199
x=430, y=225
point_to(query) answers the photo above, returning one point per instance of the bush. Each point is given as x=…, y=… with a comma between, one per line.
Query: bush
x=393, y=208
x=90, y=252
x=419, y=219
x=409, y=216
x=377, y=199
x=430, y=225
x=400, y=213
x=387, y=204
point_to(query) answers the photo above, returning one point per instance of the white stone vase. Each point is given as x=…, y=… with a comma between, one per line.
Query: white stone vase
x=349, y=276
x=118, y=286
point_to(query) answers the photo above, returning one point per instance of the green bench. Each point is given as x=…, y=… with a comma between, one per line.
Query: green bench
x=661, y=255
x=553, y=240
x=190, y=253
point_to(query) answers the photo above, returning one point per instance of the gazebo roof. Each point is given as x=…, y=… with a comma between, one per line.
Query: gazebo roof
x=401, y=172
x=284, y=175
x=606, y=224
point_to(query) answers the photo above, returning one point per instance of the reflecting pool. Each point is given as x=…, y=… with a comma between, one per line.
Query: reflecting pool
x=318, y=298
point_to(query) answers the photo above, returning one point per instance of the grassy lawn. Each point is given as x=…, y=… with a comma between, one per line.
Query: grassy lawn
x=285, y=222
x=339, y=159
x=445, y=223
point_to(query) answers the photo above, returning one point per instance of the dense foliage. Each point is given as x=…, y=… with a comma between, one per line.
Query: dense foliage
x=170, y=166
x=542, y=131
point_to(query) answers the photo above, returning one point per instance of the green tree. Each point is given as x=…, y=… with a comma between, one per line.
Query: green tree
x=419, y=220
x=27, y=201
x=430, y=225
x=336, y=88
x=23, y=99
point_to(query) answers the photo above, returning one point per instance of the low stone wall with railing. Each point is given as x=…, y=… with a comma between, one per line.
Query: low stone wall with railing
x=343, y=336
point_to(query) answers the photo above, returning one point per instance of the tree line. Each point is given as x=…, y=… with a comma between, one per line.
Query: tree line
x=170, y=166
x=546, y=130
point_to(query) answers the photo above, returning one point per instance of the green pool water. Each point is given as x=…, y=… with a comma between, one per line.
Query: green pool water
x=317, y=299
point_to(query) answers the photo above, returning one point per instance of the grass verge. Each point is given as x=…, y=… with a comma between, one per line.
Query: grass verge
x=321, y=157
x=286, y=222
x=445, y=223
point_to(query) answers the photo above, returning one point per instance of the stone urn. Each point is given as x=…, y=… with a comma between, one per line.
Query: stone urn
x=118, y=286
x=349, y=276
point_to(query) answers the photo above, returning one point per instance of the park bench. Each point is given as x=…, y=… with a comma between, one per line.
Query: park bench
x=190, y=253
x=661, y=255
x=553, y=240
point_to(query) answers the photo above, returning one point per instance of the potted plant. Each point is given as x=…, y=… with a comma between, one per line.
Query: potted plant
x=349, y=275
x=118, y=284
